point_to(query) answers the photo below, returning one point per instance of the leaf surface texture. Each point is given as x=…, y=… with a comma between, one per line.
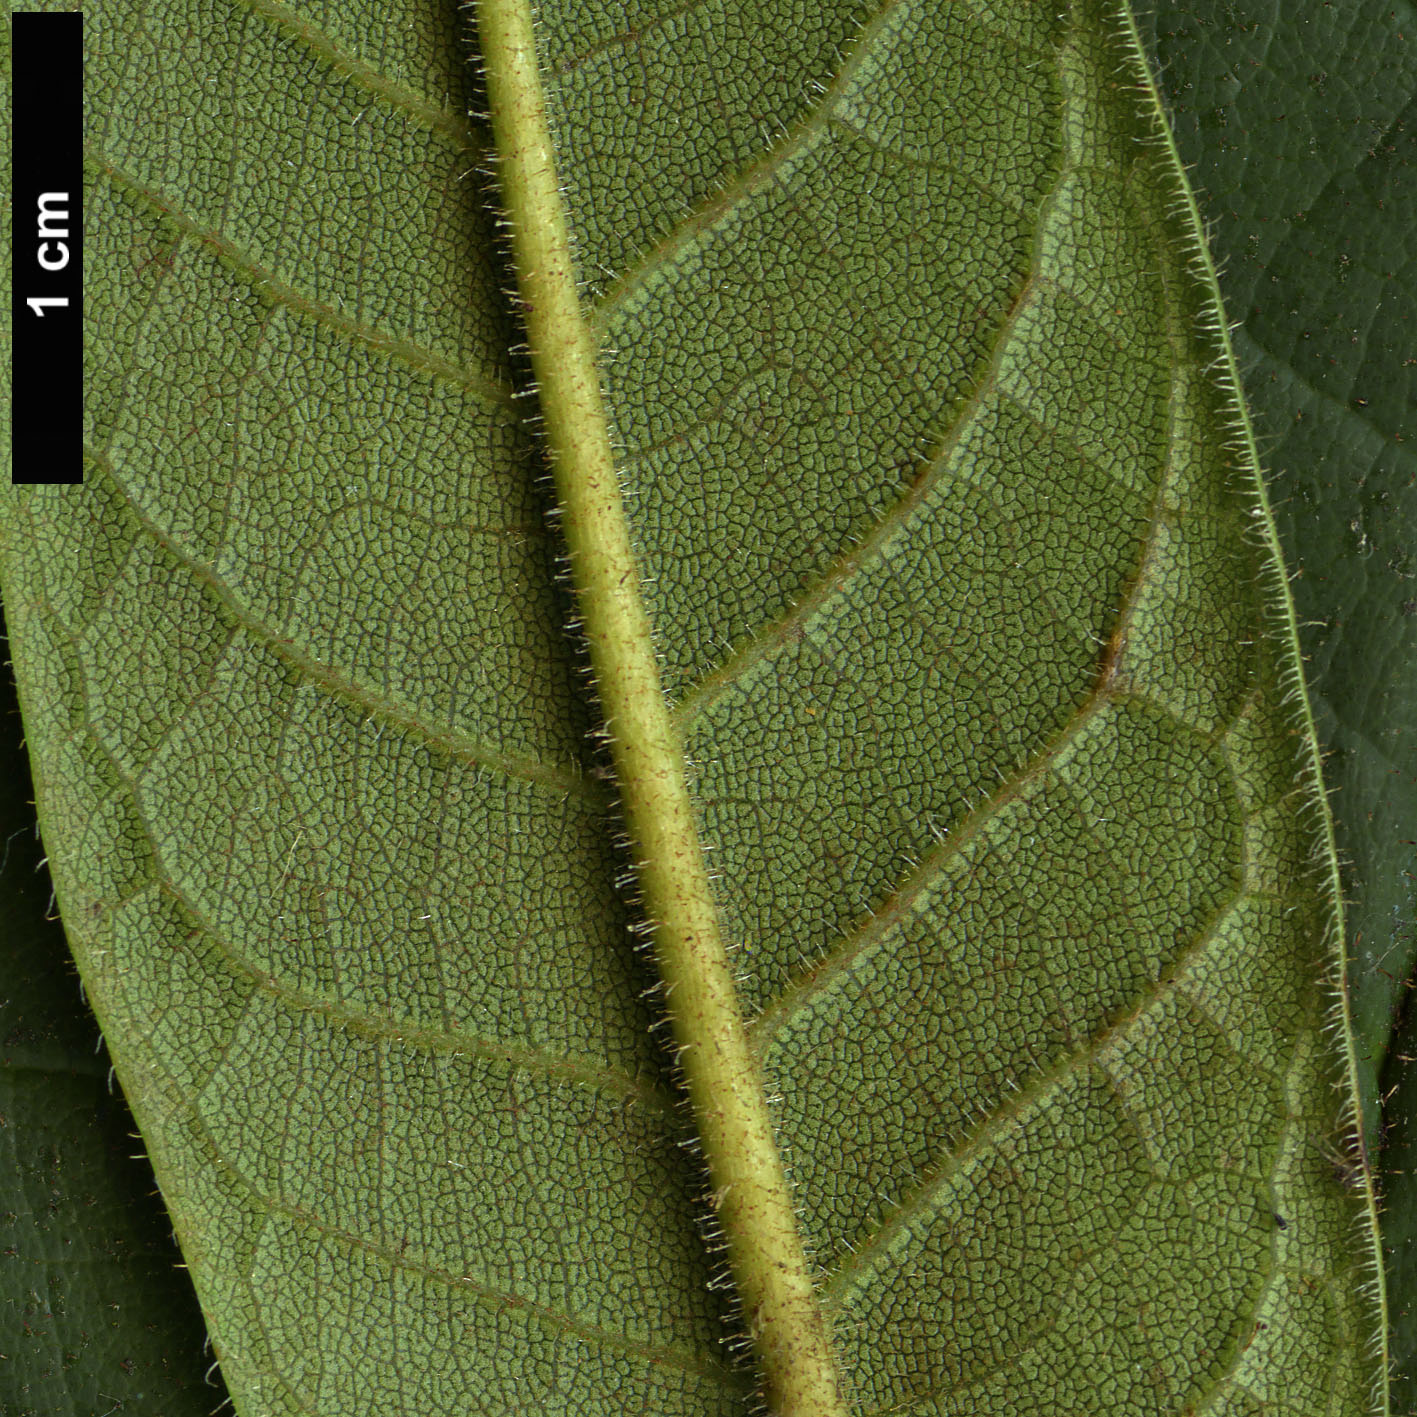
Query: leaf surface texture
x=977, y=655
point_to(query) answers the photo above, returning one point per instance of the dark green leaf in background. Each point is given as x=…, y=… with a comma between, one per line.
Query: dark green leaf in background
x=1301, y=122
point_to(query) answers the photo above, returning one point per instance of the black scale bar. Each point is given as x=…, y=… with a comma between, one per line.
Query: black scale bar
x=47, y=378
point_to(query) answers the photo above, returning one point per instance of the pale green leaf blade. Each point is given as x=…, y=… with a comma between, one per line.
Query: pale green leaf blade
x=1013, y=771
x=950, y=568
x=308, y=750
x=95, y=1312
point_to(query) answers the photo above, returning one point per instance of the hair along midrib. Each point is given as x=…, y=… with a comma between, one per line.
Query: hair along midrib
x=752, y=1198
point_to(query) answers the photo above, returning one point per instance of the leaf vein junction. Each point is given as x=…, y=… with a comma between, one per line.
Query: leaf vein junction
x=562, y=780
x=748, y=182
x=777, y=633
x=272, y=288
x=557, y=1320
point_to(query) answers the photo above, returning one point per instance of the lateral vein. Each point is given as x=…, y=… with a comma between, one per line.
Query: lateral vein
x=751, y=1195
x=342, y=684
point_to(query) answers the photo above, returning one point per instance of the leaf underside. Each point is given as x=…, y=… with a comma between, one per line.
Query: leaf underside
x=81, y=1231
x=976, y=653
x=1315, y=228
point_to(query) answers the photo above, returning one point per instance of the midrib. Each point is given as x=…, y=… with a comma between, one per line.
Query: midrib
x=752, y=1199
